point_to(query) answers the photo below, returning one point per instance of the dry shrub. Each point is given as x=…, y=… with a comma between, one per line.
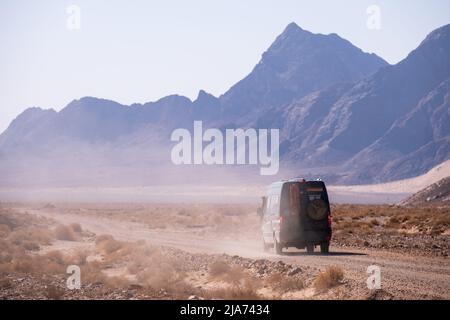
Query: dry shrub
x=218, y=268
x=107, y=244
x=30, y=245
x=285, y=284
x=54, y=293
x=15, y=219
x=23, y=264
x=92, y=273
x=30, y=238
x=233, y=293
x=329, y=278
x=142, y=258
x=159, y=276
x=50, y=263
x=66, y=233
x=236, y=276
x=76, y=227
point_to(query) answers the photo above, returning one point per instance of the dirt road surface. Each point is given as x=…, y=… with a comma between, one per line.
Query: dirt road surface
x=402, y=275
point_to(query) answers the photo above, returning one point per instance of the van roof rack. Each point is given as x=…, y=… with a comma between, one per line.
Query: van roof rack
x=299, y=179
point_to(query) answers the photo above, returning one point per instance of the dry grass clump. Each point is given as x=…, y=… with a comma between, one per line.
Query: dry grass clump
x=143, y=264
x=24, y=230
x=329, y=278
x=153, y=269
x=54, y=293
x=25, y=263
x=30, y=238
x=22, y=233
x=240, y=285
x=76, y=227
x=160, y=276
x=218, y=268
x=66, y=233
x=285, y=284
x=107, y=245
x=92, y=273
x=234, y=275
x=233, y=293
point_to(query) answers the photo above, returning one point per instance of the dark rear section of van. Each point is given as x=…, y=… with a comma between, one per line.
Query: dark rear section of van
x=307, y=220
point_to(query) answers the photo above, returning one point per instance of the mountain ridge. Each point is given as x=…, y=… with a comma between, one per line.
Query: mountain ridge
x=337, y=107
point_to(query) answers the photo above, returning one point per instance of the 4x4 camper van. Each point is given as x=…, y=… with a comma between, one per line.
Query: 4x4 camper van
x=296, y=213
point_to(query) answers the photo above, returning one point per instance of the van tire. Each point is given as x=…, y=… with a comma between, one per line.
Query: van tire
x=277, y=246
x=325, y=248
x=310, y=248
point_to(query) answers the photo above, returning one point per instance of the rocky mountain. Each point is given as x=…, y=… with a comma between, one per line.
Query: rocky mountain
x=297, y=63
x=393, y=124
x=343, y=113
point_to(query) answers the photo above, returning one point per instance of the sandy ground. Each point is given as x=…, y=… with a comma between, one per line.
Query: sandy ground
x=405, y=186
x=403, y=276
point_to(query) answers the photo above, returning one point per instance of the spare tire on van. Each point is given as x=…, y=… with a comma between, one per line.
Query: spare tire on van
x=317, y=209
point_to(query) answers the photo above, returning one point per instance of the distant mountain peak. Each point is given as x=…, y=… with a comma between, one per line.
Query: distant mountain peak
x=174, y=98
x=292, y=27
x=291, y=33
x=203, y=94
x=205, y=97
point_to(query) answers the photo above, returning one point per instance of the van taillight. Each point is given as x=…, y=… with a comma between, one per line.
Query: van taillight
x=329, y=220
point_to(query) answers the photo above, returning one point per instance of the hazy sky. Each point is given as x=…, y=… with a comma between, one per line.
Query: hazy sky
x=139, y=51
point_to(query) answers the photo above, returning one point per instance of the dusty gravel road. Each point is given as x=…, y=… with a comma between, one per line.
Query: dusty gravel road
x=404, y=276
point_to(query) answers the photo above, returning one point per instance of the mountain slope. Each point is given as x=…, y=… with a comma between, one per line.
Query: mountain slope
x=399, y=113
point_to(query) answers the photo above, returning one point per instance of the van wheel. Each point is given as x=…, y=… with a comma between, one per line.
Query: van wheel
x=309, y=248
x=277, y=247
x=325, y=247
